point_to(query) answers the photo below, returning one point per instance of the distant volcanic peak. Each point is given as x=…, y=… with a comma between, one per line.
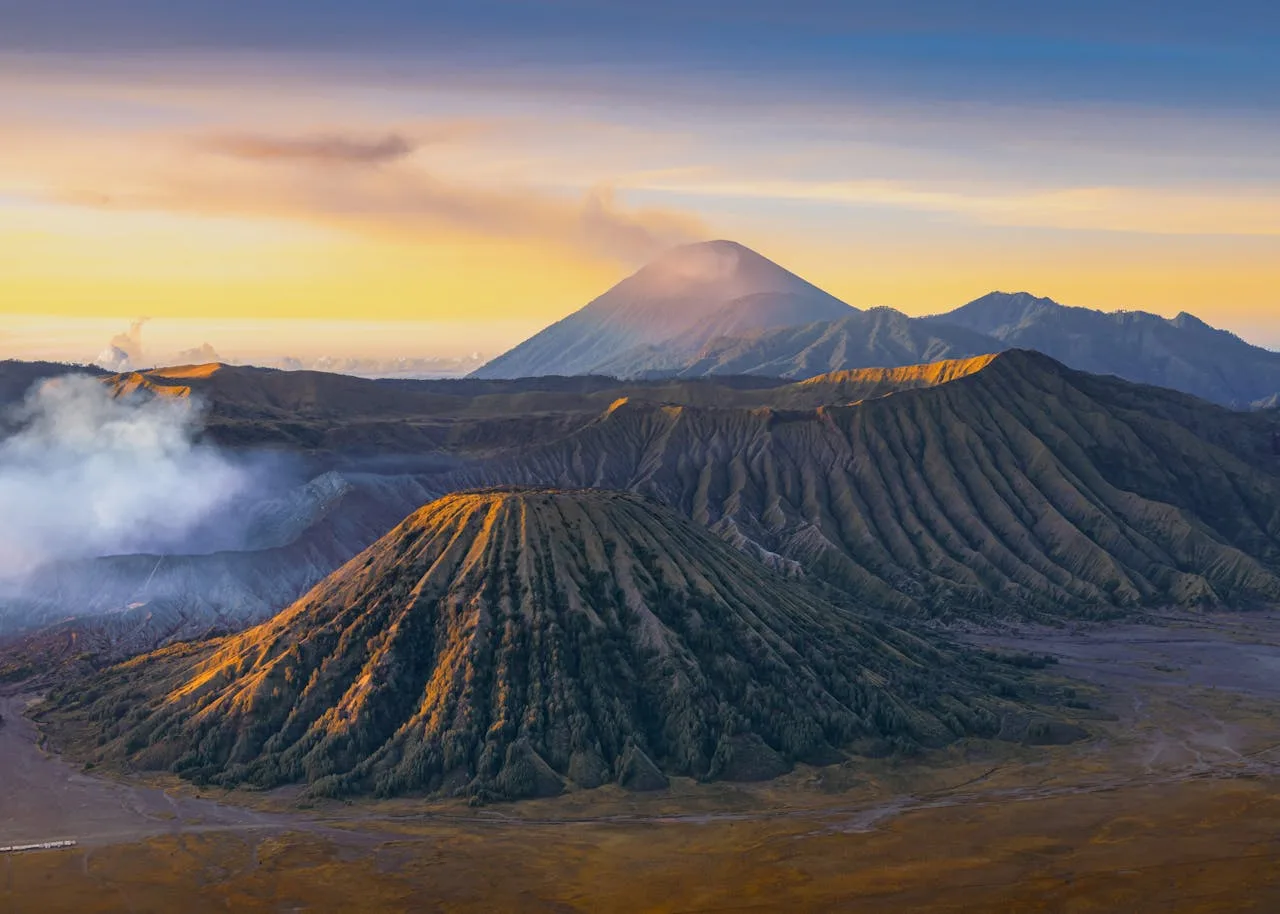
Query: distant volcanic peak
x=678, y=301
x=1014, y=298
x=503, y=642
x=1020, y=297
x=710, y=262
x=1187, y=320
x=718, y=271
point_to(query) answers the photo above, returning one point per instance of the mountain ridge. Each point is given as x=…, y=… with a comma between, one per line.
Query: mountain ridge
x=1023, y=488
x=1183, y=352
x=710, y=333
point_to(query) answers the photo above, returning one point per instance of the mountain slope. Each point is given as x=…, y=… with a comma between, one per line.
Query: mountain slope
x=117, y=605
x=685, y=297
x=501, y=643
x=718, y=308
x=18, y=377
x=1183, y=352
x=393, y=441
x=879, y=337
x=1019, y=488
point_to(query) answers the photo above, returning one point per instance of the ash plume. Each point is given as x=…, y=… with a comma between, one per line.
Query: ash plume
x=87, y=474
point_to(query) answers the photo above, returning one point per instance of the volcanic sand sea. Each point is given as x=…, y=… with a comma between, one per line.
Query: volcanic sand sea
x=44, y=798
x=1175, y=806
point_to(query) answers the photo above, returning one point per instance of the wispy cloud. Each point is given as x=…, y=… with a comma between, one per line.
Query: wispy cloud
x=305, y=178
x=1149, y=210
x=328, y=149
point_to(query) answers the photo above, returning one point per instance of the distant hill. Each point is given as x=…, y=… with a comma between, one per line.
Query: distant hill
x=1015, y=486
x=879, y=337
x=503, y=644
x=718, y=308
x=1183, y=352
x=686, y=297
x=17, y=377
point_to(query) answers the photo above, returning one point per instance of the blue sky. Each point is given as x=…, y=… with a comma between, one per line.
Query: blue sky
x=1171, y=53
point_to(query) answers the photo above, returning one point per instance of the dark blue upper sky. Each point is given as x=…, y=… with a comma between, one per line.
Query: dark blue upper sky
x=1176, y=53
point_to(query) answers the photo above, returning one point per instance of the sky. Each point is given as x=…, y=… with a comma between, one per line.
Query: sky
x=443, y=178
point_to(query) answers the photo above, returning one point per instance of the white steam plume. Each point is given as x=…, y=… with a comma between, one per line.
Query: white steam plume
x=87, y=474
x=124, y=352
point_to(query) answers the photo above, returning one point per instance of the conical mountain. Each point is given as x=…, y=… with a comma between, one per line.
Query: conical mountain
x=684, y=298
x=504, y=643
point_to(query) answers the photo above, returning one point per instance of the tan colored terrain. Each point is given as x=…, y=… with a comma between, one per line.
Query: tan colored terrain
x=1173, y=807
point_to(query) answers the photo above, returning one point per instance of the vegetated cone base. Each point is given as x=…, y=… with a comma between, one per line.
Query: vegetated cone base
x=503, y=643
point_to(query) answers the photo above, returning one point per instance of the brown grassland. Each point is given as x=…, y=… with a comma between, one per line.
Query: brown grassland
x=1194, y=847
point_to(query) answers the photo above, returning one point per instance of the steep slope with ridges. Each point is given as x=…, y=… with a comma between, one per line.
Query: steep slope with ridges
x=1023, y=487
x=501, y=643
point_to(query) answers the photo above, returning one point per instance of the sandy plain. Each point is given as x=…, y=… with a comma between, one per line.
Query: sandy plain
x=1173, y=805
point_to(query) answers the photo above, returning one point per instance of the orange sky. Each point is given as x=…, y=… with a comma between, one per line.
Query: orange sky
x=479, y=216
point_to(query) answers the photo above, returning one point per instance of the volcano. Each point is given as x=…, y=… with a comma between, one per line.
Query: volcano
x=667, y=310
x=509, y=643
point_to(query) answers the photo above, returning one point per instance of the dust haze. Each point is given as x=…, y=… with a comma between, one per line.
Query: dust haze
x=88, y=474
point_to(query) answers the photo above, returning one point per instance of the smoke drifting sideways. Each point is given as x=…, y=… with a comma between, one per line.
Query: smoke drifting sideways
x=87, y=474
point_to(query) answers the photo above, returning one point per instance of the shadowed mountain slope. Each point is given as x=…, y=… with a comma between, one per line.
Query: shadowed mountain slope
x=682, y=299
x=501, y=643
x=17, y=379
x=443, y=421
x=1183, y=352
x=1020, y=488
x=718, y=308
x=878, y=337
x=391, y=442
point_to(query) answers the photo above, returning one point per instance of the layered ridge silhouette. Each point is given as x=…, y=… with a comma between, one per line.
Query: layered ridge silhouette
x=1020, y=487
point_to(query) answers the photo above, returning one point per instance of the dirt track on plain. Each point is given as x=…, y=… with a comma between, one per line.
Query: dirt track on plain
x=44, y=798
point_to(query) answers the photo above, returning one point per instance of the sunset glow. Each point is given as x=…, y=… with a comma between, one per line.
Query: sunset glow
x=248, y=177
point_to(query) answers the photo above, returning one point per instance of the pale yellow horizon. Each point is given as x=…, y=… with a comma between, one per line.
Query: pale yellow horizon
x=258, y=217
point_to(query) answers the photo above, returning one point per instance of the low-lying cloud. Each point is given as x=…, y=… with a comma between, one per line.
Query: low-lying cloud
x=88, y=474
